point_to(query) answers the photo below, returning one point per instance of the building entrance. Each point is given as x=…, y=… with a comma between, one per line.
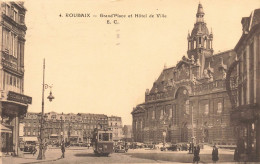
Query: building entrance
x=184, y=133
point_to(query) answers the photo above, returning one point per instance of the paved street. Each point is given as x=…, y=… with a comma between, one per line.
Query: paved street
x=83, y=155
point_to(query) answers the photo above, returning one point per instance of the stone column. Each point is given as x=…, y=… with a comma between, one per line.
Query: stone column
x=16, y=134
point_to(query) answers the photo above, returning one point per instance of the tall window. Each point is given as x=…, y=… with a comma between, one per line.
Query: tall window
x=153, y=114
x=161, y=116
x=170, y=113
x=205, y=42
x=187, y=106
x=7, y=10
x=206, y=109
x=219, y=108
x=15, y=15
x=194, y=44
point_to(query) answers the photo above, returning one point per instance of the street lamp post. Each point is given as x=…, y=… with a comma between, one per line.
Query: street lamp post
x=193, y=137
x=61, y=129
x=50, y=97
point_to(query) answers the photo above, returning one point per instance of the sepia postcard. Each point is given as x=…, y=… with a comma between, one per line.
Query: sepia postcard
x=130, y=81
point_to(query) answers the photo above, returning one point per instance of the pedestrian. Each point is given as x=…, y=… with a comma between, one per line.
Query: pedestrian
x=236, y=155
x=34, y=150
x=62, y=149
x=190, y=148
x=196, y=157
x=198, y=148
x=215, y=154
x=45, y=146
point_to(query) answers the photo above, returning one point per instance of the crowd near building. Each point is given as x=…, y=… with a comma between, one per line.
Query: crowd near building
x=72, y=128
x=13, y=102
x=189, y=102
x=244, y=88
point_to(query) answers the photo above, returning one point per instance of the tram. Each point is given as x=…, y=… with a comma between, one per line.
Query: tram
x=102, y=142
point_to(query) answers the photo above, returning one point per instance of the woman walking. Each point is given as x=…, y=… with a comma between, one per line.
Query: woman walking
x=215, y=154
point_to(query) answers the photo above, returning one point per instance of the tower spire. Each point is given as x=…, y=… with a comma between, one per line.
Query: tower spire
x=200, y=13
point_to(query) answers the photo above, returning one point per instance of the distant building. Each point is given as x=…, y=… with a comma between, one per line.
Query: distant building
x=13, y=102
x=244, y=89
x=73, y=128
x=189, y=102
x=128, y=133
x=115, y=124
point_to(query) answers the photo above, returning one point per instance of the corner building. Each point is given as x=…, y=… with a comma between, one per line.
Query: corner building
x=13, y=102
x=189, y=101
x=244, y=89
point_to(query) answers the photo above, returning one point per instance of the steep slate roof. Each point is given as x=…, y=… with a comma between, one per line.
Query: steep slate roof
x=227, y=57
x=165, y=76
x=217, y=61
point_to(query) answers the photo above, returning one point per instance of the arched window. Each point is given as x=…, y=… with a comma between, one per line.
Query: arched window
x=187, y=106
x=194, y=44
x=205, y=42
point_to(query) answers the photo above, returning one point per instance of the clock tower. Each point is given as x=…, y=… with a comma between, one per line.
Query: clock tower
x=200, y=40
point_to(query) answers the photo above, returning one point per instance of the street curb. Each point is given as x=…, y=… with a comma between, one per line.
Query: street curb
x=42, y=161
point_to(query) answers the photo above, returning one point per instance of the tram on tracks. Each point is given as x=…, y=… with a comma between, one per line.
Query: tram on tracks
x=103, y=142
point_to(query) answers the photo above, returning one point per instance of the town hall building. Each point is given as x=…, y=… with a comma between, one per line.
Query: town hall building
x=189, y=102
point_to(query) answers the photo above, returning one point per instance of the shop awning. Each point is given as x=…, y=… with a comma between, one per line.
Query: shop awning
x=5, y=129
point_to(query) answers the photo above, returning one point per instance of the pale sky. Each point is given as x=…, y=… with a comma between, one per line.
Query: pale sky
x=103, y=68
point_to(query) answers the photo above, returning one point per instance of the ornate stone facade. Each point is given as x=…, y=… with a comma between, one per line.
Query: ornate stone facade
x=190, y=99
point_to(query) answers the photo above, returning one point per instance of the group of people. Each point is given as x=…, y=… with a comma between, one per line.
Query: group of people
x=196, y=152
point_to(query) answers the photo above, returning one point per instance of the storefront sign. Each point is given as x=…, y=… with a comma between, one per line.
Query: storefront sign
x=19, y=98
